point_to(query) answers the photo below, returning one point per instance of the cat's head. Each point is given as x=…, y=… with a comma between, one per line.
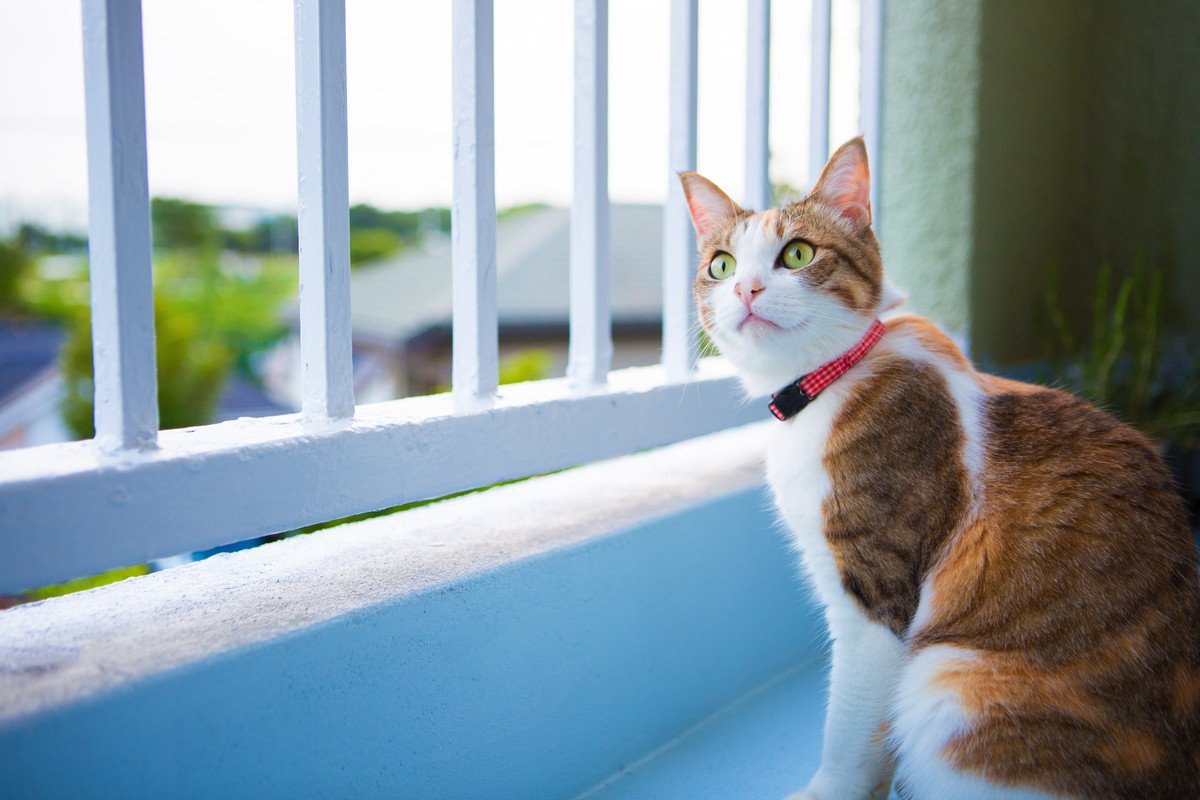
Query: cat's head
x=782, y=291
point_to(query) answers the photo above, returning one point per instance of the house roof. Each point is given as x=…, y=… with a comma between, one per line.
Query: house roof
x=27, y=349
x=399, y=298
x=29, y=354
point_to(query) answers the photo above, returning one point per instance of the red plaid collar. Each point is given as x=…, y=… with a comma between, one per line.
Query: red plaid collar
x=791, y=399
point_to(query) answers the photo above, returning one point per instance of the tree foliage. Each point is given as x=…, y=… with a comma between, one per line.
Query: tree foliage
x=192, y=369
x=40, y=239
x=273, y=234
x=367, y=244
x=407, y=225
x=14, y=264
x=210, y=318
x=182, y=224
x=217, y=297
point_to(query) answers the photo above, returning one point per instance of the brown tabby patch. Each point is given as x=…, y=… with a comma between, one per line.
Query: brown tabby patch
x=899, y=487
x=1076, y=589
x=1065, y=573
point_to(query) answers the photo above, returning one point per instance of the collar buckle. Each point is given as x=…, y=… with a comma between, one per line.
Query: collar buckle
x=792, y=399
x=789, y=401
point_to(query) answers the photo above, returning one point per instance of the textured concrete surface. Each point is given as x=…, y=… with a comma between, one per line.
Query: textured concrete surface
x=930, y=132
x=763, y=746
x=67, y=648
x=527, y=642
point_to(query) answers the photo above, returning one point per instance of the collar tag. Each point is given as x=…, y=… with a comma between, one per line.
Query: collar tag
x=789, y=401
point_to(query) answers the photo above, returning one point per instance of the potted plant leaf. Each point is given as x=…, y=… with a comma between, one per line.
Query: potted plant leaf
x=1132, y=365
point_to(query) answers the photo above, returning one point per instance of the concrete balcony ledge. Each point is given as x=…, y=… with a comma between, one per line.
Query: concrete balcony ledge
x=574, y=634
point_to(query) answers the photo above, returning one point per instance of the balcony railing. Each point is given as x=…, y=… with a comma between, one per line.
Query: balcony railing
x=134, y=494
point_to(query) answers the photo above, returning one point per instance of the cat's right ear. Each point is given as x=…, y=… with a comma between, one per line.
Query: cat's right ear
x=711, y=209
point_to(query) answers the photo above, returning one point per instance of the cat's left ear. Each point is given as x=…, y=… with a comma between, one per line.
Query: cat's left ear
x=845, y=184
x=711, y=209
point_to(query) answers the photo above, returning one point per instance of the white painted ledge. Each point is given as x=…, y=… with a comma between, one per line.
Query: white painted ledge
x=68, y=510
x=65, y=649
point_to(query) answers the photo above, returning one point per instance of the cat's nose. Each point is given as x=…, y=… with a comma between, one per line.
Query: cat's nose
x=748, y=293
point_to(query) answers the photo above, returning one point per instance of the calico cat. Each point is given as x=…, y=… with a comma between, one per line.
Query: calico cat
x=1008, y=577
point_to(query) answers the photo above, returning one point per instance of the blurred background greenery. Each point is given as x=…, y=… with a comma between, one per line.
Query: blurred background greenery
x=219, y=295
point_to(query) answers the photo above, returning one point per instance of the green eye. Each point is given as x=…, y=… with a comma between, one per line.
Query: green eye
x=722, y=266
x=798, y=255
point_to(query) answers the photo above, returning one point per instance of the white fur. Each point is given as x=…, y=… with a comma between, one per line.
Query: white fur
x=925, y=718
x=893, y=297
x=924, y=606
x=815, y=326
x=866, y=655
x=873, y=679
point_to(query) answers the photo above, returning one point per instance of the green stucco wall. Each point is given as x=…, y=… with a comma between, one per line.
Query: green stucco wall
x=1025, y=169
x=1019, y=132
x=930, y=131
x=1141, y=184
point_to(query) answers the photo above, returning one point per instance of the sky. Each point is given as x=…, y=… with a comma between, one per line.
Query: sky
x=220, y=101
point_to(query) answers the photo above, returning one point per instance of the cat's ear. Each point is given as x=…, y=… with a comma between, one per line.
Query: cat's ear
x=711, y=209
x=845, y=184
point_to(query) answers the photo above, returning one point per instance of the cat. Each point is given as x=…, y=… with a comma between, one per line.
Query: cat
x=1007, y=574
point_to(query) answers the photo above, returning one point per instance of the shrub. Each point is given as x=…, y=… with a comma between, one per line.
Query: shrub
x=14, y=263
x=192, y=370
x=1127, y=362
x=371, y=243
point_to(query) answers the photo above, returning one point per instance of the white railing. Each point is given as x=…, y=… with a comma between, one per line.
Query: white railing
x=135, y=494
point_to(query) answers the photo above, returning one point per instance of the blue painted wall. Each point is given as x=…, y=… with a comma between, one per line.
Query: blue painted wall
x=532, y=681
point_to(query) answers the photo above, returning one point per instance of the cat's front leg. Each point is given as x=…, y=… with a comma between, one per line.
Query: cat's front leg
x=866, y=663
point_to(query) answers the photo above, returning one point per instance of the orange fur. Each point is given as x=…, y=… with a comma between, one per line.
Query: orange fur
x=1062, y=567
x=931, y=338
x=1076, y=587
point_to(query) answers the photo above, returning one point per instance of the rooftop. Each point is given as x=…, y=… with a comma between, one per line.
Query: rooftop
x=27, y=349
x=398, y=298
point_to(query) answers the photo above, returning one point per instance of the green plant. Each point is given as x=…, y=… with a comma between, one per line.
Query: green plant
x=192, y=370
x=525, y=365
x=1127, y=362
x=40, y=239
x=208, y=318
x=238, y=308
x=512, y=212
x=182, y=223
x=14, y=264
x=530, y=364
x=80, y=584
x=370, y=243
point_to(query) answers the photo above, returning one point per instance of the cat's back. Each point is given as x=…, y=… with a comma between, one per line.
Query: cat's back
x=1060, y=472
x=1086, y=524
x=1074, y=590
x=1054, y=585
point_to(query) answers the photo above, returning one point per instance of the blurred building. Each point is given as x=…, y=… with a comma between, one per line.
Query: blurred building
x=31, y=387
x=400, y=306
